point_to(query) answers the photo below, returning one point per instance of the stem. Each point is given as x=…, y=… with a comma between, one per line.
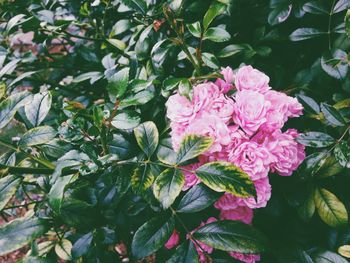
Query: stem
x=24, y=205
x=329, y=25
x=27, y=170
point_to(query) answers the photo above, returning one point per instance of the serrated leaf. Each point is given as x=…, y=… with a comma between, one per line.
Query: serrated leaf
x=226, y=177
x=192, y=146
x=197, y=198
x=342, y=154
x=37, y=110
x=8, y=187
x=231, y=236
x=147, y=137
x=214, y=10
x=330, y=209
x=151, y=236
x=216, y=34
x=63, y=249
x=315, y=139
x=36, y=136
x=20, y=232
x=168, y=186
x=142, y=179
x=10, y=105
x=306, y=33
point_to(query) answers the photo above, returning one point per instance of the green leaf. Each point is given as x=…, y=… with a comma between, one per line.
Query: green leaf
x=344, y=251
x=139, y=98
x=185, y=253
x=93, y=76
x=330, y=209
x=118, y=84
x=231, y=236
x=341, y=5
x=37, y=110
x=197, y=198
x=168, y=186
x=192, y=146
x=328, y=257
x=126, y=120
x=147, y=137
x=137, y=5
x=279, y=14
x=63, y=249
x=233, y=49
x=55, y=196
x=120, y=146
x=306, y=33
x=21, y=77
x=195, y=29
x=307, y=209
x=315, y=7
x=185, y=89
x=14, y=21
x=310, y=105
x=347, y=22
x=8, y=187
x=165, y=152
x=216, y=34
x=36, y=136
x=210, y=60
x=117, y=43
x=329, y=167
x=20, y=232
x=215, y=9
x=10, y=105
x=335, y=63
x=332, y=115
x=226, y=177
x=315, y=139
x=142, y=179
x=151, y=236
x=342, y=154
x=82, y=245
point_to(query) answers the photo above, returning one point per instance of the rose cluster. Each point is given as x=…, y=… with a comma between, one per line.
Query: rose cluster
x=245, y=118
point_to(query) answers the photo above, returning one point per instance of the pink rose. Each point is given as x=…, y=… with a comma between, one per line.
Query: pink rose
x=173, y=240
x=190, y=178
x=288, y=153
x=263, y=192
x=248, y=78
x=242, y=213
x=180, y=110
x=222, y=107
x=226, y=84
x=252, y=158
x=227, y=202
x=247, y=258
x=250, y=110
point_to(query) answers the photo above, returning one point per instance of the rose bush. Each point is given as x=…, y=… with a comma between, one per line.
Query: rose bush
x=174, y=131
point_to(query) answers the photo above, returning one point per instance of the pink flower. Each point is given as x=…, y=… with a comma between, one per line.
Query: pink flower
x=248, y=78
x=252, y=158
x=227, y=202
x=250, y=110
x=180, y=110
x=202, y=247
x=288, y=153
x=242, y=213
x=226, y=84
x=173, y=240
x=190, y=178
x=222, y=107
x=247, y=258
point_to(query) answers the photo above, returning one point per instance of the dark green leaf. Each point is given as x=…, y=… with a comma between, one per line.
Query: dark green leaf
x=233, y=49
x=332, y=115
x=342, y=154
x=195, y=29
x=214, y=10
x=82, y=245
x=335, y=63
x=197, y=198
x=8, y=187
x=168, y=186
x=216, y=34
x=20, y=232
x=147, y=137
x=347, y=22
x=55, y=196
x=315, y=139
x=139, y=98
x=310, y=105
x=165, y=152
x=341, y=5
x=279, y=14
x=142, y=179
x=185, y=253
x=137, y=5
x=117, y=84
x=120, y=146
x=306, y=33
x=92, y=76
x=151, y=236
x=307, y=209
x=37, y=110
x=331, y=210
x=226, y=177
x=36, y=136
x=232, y=236
x=210, y=60
x=315, y=7
x=192, y=146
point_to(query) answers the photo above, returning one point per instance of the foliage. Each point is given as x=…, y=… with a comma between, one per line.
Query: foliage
x=85, y=142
